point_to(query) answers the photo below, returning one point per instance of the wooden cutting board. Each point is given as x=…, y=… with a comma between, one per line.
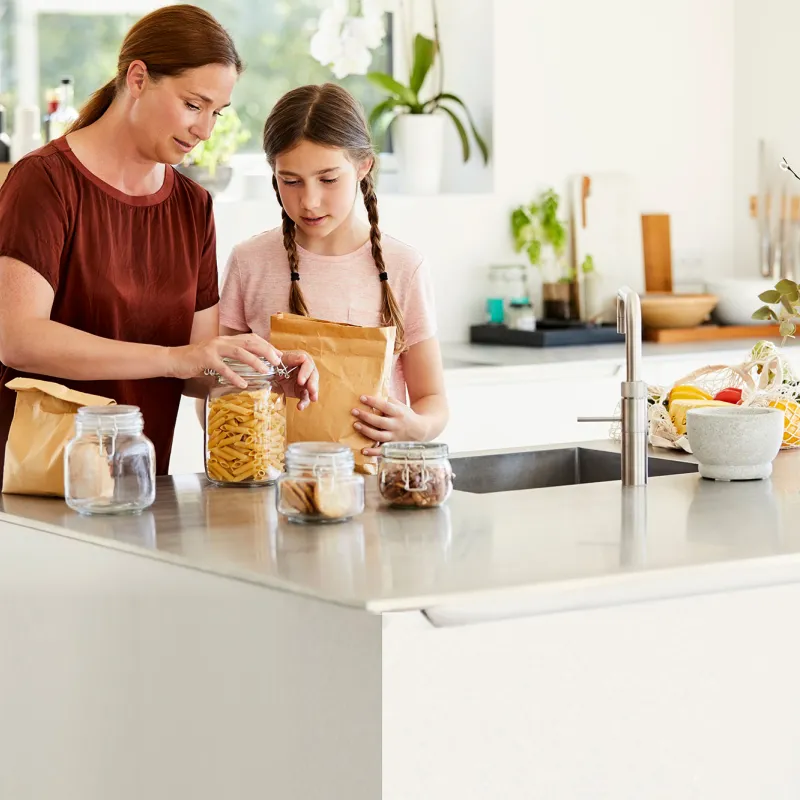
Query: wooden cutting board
x=657, y=243
x=606, y=224
x=710, y=333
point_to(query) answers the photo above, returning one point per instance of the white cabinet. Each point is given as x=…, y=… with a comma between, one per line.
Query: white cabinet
x=517, y=407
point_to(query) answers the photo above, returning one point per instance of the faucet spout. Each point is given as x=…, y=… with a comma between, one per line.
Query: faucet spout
x=634, y=390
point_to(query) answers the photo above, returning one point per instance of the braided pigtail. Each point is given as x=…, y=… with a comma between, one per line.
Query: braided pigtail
x=297, y=303
x=390, y=311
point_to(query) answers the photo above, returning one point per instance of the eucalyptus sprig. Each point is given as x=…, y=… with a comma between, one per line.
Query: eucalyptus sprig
x=786, y=296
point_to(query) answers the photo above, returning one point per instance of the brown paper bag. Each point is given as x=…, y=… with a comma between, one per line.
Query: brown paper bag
x=43, y=423
x=351, y=361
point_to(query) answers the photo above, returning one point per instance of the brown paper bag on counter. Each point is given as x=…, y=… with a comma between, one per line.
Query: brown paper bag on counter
x=351, y=361
x=43, y=423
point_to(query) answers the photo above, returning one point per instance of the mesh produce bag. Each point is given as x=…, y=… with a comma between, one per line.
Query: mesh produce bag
x=765, y=380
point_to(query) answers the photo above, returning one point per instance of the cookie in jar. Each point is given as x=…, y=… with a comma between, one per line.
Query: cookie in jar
x=415, y=474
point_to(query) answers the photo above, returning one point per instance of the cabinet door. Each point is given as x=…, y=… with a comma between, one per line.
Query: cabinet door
x=522, y=411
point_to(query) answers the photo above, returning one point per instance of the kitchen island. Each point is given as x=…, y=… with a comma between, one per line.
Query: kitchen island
x=573, y=641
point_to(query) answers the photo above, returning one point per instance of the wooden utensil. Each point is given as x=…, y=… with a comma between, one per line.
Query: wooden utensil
x=657, y=246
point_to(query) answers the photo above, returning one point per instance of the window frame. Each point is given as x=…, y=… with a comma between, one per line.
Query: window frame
x=26, y=50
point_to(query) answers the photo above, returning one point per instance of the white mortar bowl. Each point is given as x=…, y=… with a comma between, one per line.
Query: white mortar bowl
x=737, y=443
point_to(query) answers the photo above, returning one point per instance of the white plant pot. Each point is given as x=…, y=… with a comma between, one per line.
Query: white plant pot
x=419, y=145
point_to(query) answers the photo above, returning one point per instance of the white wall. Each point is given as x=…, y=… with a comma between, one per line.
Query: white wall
x=766, y=107
x=577, y=86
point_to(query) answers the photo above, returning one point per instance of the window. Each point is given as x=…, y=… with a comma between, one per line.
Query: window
x=81, y=38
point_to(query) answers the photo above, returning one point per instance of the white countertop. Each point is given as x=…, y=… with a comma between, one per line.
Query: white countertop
x=465, y=356
x=479, y=556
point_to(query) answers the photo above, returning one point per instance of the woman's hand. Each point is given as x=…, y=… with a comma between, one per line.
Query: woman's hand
x=303, y=382
x=192, y=360
x=396, y=422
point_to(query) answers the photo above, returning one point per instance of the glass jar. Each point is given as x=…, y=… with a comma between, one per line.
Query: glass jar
x=521, y=316
x=245, y=436
x=109, y=464
x=415, y=474
x=320, y=484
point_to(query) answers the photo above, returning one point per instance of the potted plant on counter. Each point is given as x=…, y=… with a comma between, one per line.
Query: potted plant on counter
x=208, y=164
x=418, y=122
x=539, y=233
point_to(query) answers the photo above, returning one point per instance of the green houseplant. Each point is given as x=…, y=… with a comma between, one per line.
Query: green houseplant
x=417, y=120
x=539, y=233
x=208, y=162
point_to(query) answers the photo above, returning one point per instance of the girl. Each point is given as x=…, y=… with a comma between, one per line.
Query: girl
x=326, y=262
x=108, y=273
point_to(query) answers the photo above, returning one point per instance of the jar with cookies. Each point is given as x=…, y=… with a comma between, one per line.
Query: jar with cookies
x=245, y=429
x=320, y=484
x=415, y=474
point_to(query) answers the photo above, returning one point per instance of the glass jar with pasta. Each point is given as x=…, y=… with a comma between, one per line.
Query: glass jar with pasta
x=245, y=429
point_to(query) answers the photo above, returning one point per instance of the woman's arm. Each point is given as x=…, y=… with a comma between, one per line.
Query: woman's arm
x=31, y=342
x=428, y=414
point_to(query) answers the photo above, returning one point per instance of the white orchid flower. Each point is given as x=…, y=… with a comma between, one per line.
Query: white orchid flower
x=326, y=47
x=367, y=33
x=354, y=58
x=331, y=19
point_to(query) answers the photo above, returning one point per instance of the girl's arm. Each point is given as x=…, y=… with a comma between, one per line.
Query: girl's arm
x=422, y=368
x=427, y=416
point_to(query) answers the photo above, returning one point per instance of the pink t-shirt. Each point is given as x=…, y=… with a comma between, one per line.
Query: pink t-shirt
x=344, y=288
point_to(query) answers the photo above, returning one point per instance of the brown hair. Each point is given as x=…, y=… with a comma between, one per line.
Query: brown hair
x=329, y=116
x=170, y=41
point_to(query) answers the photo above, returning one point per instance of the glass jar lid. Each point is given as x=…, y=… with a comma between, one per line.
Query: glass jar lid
x=110, y=419
x=319, y=457
x=246, y=370
x=414, y=451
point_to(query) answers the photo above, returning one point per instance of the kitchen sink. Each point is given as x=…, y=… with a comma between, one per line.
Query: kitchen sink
x=536, y=469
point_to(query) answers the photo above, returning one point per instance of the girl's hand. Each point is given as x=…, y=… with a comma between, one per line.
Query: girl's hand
x=395, y=422
x=303, y=383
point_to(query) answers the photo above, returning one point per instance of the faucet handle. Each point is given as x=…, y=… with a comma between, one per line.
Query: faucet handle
x=599, y=419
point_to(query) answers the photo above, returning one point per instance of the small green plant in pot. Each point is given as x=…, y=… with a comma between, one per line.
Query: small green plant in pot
x=417, y=122
x=208, y=162
x=542, y=236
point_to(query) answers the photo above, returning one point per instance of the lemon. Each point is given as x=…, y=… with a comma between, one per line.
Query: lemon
x=791, y=420
x=687, y=392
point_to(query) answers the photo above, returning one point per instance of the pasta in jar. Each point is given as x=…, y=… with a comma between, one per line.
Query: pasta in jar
x=245, y=429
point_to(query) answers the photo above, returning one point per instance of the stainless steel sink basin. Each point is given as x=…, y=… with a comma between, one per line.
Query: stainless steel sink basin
x=535, y=469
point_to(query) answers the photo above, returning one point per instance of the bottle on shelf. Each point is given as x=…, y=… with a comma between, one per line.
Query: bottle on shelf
x=65, y=114
x=51, y=104
x=5, y=140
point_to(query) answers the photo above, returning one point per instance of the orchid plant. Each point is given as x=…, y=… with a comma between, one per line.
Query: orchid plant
x=406, y=99
x=344, y=41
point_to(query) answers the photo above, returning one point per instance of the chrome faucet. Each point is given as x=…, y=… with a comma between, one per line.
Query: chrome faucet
x=634, y=392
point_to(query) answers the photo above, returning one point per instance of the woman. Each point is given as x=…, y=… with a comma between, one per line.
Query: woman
x=108, y=272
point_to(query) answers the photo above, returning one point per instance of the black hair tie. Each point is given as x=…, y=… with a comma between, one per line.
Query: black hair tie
x=295, y=276
x=383, y=276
